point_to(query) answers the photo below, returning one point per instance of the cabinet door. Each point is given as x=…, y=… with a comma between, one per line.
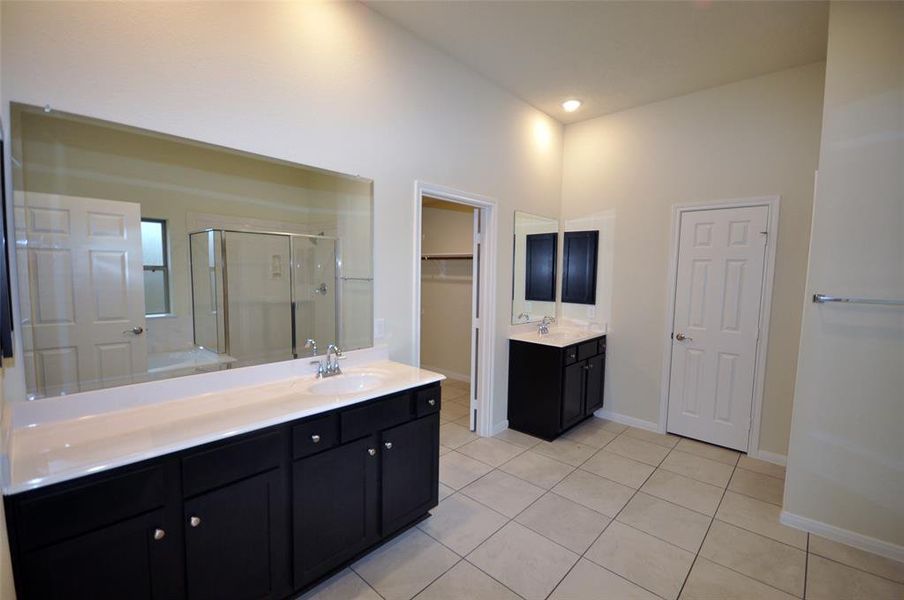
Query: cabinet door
x=125, y=560
x=596, y=372
x=573, y=394
x=410, y=459
x=234, y=538
x=334, y=507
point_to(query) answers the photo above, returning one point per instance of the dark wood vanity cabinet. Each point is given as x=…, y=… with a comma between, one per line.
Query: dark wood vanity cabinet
x=262, y=515
x=552, y=389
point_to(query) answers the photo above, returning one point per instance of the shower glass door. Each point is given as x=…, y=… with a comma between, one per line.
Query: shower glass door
x=258, y=295
x=314, y=280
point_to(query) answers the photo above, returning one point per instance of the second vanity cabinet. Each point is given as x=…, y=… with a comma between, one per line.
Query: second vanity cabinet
x=262, y=515
x=551, y=388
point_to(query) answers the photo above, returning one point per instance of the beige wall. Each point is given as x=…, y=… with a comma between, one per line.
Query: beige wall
x=446, y=291
x=752, y=138
x=332, y=85
x=845, y=464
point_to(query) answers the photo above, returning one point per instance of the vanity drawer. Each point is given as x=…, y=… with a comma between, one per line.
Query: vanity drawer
x=358, y=422
x=50, y=517
x=315, y=435
x=571, y=355
x=427, y=401
x=216, y=467
x=588, y=349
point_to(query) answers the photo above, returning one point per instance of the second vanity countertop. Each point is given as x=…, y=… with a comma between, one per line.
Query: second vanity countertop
x=559, y=337
x=49, y=453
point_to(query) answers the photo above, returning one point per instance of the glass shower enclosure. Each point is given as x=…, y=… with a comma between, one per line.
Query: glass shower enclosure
x=257, y=296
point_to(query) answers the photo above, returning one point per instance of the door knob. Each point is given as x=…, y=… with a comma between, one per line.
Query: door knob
x=194, y=521
x=135, y=330
x=388, y=445
x=681, y=337
x=159, y=534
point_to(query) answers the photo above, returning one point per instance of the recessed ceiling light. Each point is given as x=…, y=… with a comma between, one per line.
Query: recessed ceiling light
x=571, y=105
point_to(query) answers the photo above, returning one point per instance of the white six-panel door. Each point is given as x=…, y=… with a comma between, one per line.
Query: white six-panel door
x=719, y=283
x=84, y=322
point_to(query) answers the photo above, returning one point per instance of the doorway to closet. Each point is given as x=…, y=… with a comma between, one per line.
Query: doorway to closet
x=477, y=330
x=448, y=272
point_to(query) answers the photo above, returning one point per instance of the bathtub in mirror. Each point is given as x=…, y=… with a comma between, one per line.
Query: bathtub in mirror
x=142, y=256
x=535, y=262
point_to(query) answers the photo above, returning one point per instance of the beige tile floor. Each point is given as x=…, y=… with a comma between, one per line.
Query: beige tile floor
x=606, y=512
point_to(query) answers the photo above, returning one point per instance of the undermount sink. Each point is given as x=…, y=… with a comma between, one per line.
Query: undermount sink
x=347, y=383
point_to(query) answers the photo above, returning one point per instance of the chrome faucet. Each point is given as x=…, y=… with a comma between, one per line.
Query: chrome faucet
x=329, y=366
x=545, y=323
x=332, y=367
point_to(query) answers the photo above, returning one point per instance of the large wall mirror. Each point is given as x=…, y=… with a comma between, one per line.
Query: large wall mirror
x=142, y=256
x=535, y=261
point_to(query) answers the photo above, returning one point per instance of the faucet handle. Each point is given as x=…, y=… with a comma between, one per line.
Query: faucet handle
x=320, y=367
x=311, y=344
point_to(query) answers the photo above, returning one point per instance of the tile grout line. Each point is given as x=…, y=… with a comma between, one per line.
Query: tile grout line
x=705, y=535
x=806, y=565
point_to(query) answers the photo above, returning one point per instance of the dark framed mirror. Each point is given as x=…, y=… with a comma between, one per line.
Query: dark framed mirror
x=540, y=267
x=579, y=267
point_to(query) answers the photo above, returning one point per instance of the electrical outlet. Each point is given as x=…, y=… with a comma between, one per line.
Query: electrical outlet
x=379, y=328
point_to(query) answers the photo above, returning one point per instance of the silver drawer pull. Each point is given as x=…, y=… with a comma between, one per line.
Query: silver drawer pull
x=388, y=445
x=431, y=402
x=371, y=451
x=194, y=521
x=159, y=534
x=315, y=438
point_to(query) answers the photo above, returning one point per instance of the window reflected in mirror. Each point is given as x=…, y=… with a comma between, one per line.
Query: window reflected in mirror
x=535, y=261
x=141, y=256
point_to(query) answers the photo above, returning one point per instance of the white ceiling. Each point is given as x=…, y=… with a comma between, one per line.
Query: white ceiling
x=615, y=55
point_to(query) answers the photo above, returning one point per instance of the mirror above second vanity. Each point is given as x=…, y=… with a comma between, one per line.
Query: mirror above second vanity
x=535, y=262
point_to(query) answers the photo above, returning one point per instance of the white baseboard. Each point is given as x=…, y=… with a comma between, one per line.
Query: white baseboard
x=499, y=427
x=626, y=420
x=844, y=536
x=776, y=459
x=449, y=374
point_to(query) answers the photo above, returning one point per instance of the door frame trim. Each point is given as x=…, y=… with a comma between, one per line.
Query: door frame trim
x=772, y=203
x=485, y=365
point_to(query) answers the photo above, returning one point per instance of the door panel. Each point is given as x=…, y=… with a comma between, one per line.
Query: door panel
x=232, y=549
x=118, y=561
x=334, y=507
x=410, y=455
x=595, y=378
x=78, y=336
x=721, y=261
x=573, y=395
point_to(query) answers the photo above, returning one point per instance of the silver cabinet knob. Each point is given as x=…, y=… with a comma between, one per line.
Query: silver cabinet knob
x=315, y=438
x=194, y=521
x=388, y=445
x=431, y=402
x=371, y=451
x=159, y=534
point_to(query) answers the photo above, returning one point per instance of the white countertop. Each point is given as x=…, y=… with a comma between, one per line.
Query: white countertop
x=45, y=453
x=558, y=337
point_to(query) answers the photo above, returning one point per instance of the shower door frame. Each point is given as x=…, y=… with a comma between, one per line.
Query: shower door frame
x=337, y=260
